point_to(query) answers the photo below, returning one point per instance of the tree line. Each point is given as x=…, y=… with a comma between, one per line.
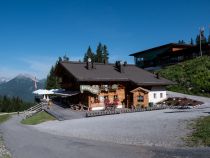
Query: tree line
x=101, y=56
x=13, y=104
x=52, y=81
x=199, y=38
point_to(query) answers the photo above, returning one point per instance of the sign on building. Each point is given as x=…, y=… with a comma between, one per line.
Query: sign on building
x=92, y=89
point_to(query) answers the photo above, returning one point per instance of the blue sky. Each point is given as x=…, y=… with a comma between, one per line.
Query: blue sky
x=34, y=33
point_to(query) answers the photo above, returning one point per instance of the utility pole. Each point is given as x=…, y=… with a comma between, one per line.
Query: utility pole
x=209, y=36
x=201, y=31
x=209, y=30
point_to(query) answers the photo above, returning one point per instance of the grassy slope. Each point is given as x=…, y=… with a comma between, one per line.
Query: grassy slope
x=201, y=133
x=4, y=118
x=192, y=76
x=38, y=118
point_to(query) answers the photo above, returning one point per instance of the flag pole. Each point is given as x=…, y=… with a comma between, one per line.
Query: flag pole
x=200, y=42
x=35, y=83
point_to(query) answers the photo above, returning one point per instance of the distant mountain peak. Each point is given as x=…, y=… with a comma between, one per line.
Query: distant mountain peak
x=4, y=80
x=22, y=86
x=23, y=76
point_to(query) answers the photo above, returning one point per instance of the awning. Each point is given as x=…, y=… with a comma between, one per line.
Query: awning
x=67, y=93
x=61, y=92
x=42, y=92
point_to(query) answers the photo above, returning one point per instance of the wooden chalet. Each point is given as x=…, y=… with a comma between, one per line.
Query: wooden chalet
x=168, y=54
x=100, y=84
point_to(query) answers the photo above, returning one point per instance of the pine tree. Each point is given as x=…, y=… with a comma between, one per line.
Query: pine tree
x=105, y=54
x=209, y=39
x=99, y=51
x=197, y=40
x=65, y=58
x=202, y=37
x=53, y=81
x=89, y=54
x=191, y=42
x=181, y=42
x=85, y=58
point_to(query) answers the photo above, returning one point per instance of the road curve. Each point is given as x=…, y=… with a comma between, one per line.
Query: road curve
x=25, y=142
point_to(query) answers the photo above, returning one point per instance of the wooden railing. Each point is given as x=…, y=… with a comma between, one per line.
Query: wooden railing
x=33, y=110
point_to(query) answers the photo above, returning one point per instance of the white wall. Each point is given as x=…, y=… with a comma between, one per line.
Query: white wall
x=157, y=91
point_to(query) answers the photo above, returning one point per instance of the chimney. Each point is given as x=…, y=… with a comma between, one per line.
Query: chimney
x=89, y=64
x=125, y=63
x=93, y=65
x=105, y=61
x=122, y=69
x=157, y=75
x=119, y=66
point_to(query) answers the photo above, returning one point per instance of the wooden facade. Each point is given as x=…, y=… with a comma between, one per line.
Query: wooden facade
x=122, y=97
x=113, y=97
x=140, y=97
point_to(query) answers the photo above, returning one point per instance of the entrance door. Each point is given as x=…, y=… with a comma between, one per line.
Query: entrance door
x=129, y=101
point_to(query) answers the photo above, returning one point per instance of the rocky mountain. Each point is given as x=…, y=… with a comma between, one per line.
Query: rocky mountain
x=3, y=80
x=21, y=86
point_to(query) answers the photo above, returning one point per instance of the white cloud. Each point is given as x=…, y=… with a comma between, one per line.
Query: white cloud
x=39, y=66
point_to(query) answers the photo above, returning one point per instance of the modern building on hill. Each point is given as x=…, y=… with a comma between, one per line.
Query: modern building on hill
x=168, y=54
x=100, y=84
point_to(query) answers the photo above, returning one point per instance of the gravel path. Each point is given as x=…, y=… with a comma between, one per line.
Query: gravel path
x=4, y=152
x=25, y=142
x=164, y=128
x=64, y=113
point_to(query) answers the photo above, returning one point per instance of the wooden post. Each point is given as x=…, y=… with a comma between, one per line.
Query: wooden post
x=127, y=100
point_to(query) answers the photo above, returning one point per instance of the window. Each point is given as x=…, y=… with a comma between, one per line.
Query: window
x=180, y=58
x=106, y=100
x=154, y=95
x=106, y=97
x=96, y=100
x=115, y=100
x=140, y=99
x=161, y=95
x=115, y=96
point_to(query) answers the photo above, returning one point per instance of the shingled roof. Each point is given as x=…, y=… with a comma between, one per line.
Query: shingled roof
x=109, y=72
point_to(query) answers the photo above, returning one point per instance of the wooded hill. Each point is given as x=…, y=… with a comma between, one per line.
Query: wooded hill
x=192, y=76
x=13, y=104
x=21, y=86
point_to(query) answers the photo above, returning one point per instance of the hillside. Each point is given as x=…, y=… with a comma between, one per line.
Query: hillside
x=192, y=76
x=21, y=86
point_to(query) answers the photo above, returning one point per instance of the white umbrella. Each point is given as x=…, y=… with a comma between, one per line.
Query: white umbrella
x=42, y=92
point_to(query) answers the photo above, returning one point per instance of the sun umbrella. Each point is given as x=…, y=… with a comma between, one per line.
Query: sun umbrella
x=42, y=92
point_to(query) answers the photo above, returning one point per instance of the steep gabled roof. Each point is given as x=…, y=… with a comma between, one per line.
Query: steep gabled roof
x=108, y=72
x=140, y=88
